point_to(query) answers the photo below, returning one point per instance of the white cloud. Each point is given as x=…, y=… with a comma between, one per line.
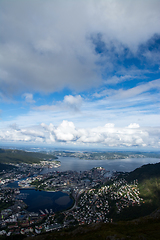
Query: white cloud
x=47, y=45
x=71, y=103
x=114, y=80
x=155, y=84
x=133, y=125
x=131, y=92
x=66, y=132
x=28, y=98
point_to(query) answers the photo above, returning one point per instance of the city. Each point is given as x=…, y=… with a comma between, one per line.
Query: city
x=96, y=193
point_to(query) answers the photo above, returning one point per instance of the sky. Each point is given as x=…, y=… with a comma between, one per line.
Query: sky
x=80, y=73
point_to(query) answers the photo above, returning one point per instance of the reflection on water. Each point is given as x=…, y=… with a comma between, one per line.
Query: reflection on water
x=63, y=200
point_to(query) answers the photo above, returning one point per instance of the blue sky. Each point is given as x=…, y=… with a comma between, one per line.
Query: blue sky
x=80, y=73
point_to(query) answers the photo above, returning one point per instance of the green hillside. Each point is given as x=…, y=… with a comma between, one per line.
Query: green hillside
x=144, y=172
x=148, y=177
x=18, y=156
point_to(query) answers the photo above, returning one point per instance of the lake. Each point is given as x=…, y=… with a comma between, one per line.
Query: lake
x=124, y=165
x=41, y=200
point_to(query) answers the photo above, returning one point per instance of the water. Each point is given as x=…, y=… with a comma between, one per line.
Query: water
x=124, y=165
x=13, y=184
x=58, y=201
x=41, y=200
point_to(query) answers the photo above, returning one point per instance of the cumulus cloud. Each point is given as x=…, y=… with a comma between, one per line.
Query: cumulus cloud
x=66, y=132
x=48, y=45
x=133, y=125
x=73, y=102
x=107, y=135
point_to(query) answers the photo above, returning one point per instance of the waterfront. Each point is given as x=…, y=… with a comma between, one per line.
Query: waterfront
x=124, y=165
x=59, y=201
x=99, y=202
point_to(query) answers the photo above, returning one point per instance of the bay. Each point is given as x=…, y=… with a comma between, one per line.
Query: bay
x=124, y=165
x=59, y=201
